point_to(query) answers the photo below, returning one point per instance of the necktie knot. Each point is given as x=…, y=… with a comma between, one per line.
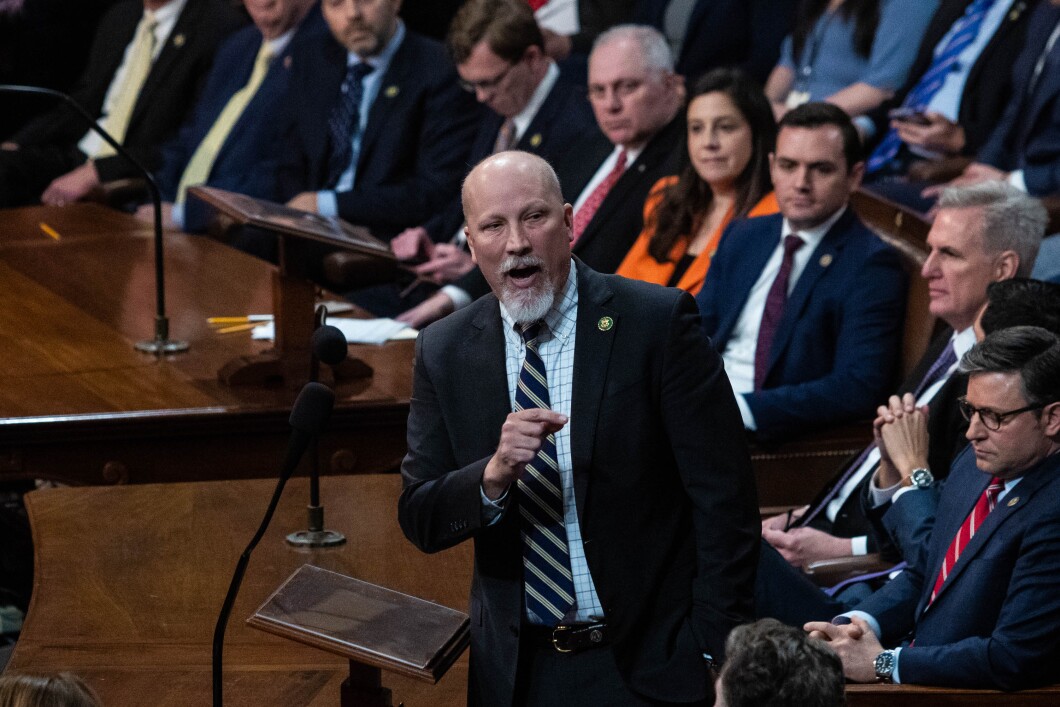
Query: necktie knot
x=355, y=74
x=792, y=242
x=531, y=332
x=994, y=490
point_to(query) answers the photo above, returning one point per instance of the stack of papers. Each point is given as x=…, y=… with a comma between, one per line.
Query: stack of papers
x=357, y=331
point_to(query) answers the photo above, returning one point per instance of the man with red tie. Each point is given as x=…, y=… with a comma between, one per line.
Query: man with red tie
x=981, y=607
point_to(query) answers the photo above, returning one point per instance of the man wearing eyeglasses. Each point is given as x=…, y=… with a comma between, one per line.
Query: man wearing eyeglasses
x=379, y=130
x=500, y=58
x=981, y=607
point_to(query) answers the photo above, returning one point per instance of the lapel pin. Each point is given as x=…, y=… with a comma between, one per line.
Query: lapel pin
x=641, y=168
x=287, y=62
x=826, y=260
x=535, y=140
x=392, y=91
x=178, y=41
x=605, y=323
x=1013, y=501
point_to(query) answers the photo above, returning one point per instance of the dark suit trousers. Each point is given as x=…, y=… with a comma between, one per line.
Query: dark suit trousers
x=785, y=594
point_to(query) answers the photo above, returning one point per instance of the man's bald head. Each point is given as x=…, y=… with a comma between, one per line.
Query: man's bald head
x=505, y=165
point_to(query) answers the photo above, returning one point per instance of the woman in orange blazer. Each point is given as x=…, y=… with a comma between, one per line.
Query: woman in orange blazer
x=725, y=175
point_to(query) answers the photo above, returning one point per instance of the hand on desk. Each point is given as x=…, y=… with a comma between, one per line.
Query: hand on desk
x=784, y=520
x=72, y=186
x=412, y=244
x=522, y=435
x=447, y=263
x=306, y=201
x=146, y=213
x=975, y=173
x=430, y=310
x=854, y=643
x=801, y=546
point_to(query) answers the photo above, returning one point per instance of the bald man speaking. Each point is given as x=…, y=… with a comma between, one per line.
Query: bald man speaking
x=579, y=429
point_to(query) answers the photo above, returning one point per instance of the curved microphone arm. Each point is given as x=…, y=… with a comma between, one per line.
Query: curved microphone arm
x=161, y=343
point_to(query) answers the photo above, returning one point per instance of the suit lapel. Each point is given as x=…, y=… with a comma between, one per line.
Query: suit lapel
x=756, y=247
x=483, y=355
x=821, y=259
x=388, y=97
x=171, y=53
x=592, y=355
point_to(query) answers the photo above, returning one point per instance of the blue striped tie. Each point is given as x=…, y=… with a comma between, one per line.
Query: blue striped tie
x=965, y=32
x=345, y=120
x=546, y=559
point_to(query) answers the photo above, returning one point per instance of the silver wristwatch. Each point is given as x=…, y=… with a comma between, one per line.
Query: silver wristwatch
x=922, y=478
x=885, y=665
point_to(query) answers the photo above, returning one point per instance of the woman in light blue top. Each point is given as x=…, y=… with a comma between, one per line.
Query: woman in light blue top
x=853, y=53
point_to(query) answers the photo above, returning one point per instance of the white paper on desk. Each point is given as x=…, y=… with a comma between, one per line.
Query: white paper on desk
x=357, y=331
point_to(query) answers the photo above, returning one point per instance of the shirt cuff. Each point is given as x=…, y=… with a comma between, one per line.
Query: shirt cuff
x=327, y=203
x=745, y=413
x=880, y=496
x=902, y=491
x=177, y=214
x=866, y=127
x=460, y=298
x=1015, y=178
x=859, y=546
x=894, y=676
x=492, y=510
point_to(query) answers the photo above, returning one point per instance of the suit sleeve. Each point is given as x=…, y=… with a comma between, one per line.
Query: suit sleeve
x=440, y=505
x=1020, y=651
x=706, y=434
x=866, y=332
x=448, y=120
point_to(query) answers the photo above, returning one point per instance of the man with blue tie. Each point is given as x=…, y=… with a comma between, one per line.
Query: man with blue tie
x=380, y=130
x=806, y=306
x=580, y=430
x=981, y=607
x=232, y=139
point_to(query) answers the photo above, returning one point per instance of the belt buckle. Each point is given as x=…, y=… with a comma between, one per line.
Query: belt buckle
x=558, y=634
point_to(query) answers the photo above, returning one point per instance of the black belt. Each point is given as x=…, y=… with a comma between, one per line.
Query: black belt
x=568, y=638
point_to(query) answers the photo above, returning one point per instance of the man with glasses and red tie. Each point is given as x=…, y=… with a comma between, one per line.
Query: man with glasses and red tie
x=981, y=606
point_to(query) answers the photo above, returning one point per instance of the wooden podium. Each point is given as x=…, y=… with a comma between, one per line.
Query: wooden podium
x=374, y=628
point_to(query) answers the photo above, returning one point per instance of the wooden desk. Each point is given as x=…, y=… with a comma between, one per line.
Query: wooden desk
x=129, y=580
x=80, y=405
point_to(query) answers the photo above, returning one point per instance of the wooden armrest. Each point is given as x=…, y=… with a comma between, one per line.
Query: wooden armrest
x=791, y=473
x=826, y=573
x=940, y=171
x=344, y=271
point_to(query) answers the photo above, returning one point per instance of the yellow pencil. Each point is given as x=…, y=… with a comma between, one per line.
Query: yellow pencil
x=239, y=320
x=49, y=231
x=237, y=327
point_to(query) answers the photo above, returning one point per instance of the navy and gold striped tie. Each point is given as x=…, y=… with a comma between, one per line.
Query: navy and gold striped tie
x=548, y=584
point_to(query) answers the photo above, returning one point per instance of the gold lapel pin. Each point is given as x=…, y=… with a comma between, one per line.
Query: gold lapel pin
x=287, y=62
x=605, y=323
x=535, y=140
x=1013, y=501
x=178, y=41
x=392, y=91
x=826, y=260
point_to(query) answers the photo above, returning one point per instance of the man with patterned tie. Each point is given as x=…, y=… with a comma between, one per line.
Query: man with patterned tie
x=379, y=128
x=147, y=64
x=982, y=607
x=232, y=138
x=636, y=98
x=980, y=235
x=806, y=306
x=560, y=423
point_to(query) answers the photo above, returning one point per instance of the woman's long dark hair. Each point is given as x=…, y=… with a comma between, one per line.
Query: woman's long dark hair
x=865, y=13
x=685, y=202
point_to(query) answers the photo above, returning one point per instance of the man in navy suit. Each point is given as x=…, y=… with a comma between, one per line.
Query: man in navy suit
x=500, y=57
x=380, y=129
x=588, y=412
x=981, y=608
x=242, y=153
x=806, y=306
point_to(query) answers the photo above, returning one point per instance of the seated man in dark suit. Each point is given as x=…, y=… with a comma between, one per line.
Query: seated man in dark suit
x=981, y=234
x=379, y=130
x=958, y=87
x=232, y=139
x=147, y=64
x=981, y=609
x=637, y=99
x=809, y=334
x=500, y=58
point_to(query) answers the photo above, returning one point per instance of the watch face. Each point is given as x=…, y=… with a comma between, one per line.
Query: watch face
x=885, y=665
x=922, y=478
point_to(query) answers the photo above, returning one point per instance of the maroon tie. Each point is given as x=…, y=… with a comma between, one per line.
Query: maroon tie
x=778, y=295
x=589, y=207
x=982, y=508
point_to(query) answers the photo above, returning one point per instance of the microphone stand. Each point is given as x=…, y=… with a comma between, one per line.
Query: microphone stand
x=161, y=345
x=317, y=535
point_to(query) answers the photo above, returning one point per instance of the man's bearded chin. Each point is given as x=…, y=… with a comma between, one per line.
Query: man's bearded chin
x=526, y=305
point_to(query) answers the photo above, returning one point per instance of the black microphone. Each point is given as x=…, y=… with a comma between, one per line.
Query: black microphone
x=308, y=417
x=329, y=346
x=161, y=344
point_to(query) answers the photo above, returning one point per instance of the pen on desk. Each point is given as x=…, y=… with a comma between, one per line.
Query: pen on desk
x=237, y=327
x=240, y=320
x=49, y=231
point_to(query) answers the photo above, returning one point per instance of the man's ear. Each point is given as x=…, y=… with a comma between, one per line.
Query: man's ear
x=1006, y=265
x=470, y=244
x=1051, y=419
